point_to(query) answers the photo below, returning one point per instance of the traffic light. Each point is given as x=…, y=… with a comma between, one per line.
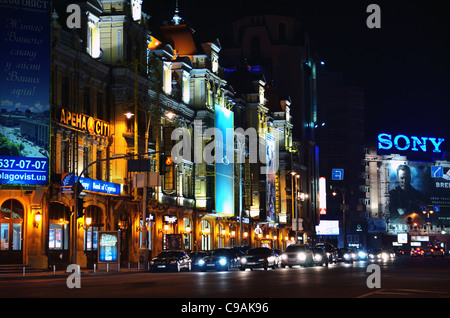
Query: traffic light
x=162, y=164
x=77, y=188
x=80, y=207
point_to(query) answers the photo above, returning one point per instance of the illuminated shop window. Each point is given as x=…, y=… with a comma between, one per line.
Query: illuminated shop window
x=58, y=228
x=11, y=220
x=91, y=232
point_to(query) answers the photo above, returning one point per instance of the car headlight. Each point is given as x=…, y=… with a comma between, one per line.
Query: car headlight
x=243, y=261
x=201, y=262
x=384, y=255
x=301, y=256
x=347, y=256
x=284, y=256
x=223, y=261
x=362, y=254
x=318, y=257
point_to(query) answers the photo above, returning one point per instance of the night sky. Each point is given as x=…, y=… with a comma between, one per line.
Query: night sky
x=404, y=66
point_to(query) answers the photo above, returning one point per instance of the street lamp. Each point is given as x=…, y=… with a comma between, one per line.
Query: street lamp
x=343, y=191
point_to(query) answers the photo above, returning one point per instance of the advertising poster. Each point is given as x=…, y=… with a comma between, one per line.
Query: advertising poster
x=25, y=92
x=270, y=178
x=224, y=119
x=415, y=187
x=109, y=247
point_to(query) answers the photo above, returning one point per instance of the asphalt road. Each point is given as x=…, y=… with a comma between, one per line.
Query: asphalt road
x=401, y=278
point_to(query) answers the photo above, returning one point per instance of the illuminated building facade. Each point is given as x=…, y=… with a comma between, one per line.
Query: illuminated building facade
x=118, y=94
x=407, y=193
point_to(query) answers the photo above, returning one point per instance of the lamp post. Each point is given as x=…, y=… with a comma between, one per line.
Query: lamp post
x=343, y=191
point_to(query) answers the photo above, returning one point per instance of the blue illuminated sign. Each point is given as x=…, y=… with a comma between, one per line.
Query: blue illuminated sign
x=21, y=170
x=224, y=119
x=25, y=92
x=337, y=174
x=413, y=143
x=89, y=185
x=108, y=250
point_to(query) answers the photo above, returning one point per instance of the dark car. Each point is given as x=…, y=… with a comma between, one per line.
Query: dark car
x=330, y=251
x=259, y=257
x=297, y=254
x=221, y=259
x=344, y=255
x=171, y=260
x=195, y=257
x=319, y=256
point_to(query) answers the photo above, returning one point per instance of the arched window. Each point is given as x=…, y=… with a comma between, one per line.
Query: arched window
x=11, y=220
x=206, y=235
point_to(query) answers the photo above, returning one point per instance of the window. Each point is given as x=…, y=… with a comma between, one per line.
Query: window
x=58, y=228
x=11, y=219
x=91, y=232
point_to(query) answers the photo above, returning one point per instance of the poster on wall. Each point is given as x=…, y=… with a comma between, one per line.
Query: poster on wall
x=415, y=187
x=25, y=92
x=109, y=247
x=224, y=190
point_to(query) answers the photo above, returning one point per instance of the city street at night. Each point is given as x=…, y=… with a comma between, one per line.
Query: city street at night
x=217, y=157
x=400, y=278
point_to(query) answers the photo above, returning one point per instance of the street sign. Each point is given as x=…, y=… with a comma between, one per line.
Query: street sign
x=337, y=174
x=437, y=172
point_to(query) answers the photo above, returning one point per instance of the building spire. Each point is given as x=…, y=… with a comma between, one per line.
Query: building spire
x=176, y=18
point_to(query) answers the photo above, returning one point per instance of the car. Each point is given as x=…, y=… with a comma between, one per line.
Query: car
x=297, y=254
x=320, y=256
x=259, y=257
x=171, y=260
x=344, y=255
x=221, y=259
x=417, y=252
x=361, y=254
x=437, y=251
x=195, y=257
x=278, y=254
x=330, y=251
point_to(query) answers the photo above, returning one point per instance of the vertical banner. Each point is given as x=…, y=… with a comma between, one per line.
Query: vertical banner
x=224, y=120
x=25, y=38
x=322, y=195
x=270, y=178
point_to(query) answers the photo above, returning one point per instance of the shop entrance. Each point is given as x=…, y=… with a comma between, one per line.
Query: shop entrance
x=11, y=232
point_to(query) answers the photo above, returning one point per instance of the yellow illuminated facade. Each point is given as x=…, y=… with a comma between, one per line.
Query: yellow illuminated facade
x=115, y=91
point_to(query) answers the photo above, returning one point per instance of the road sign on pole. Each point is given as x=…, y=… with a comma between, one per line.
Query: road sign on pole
x=337, y=174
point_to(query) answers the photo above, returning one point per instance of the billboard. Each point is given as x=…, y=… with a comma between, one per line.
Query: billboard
x=109, y=247
x=415, y=187
x=327, y=227
x=25, y=92
x=270, y=178
x=224, y=187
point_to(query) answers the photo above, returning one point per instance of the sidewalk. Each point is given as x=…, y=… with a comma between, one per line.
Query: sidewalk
x=48, y=274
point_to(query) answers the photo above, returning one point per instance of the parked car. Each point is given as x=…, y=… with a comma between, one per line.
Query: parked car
x=259, y=257
x=319, y=256
x=344, y=255
x=297, y=254
x=171, y=260
x=221, y=259
x=195, y=257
